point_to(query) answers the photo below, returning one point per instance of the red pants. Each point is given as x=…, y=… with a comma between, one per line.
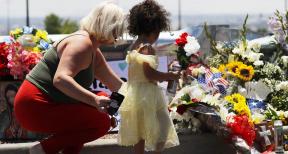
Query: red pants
x=71, y=125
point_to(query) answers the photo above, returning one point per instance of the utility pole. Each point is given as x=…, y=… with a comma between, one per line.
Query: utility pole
x=8, y=16
x=27, y=13
x=179, y=15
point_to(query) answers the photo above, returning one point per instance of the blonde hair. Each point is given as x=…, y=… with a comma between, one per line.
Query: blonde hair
x=104, y=22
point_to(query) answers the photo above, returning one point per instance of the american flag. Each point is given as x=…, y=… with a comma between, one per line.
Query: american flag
x=213, y=82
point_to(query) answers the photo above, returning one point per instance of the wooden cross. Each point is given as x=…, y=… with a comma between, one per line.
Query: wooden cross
x=265, y=134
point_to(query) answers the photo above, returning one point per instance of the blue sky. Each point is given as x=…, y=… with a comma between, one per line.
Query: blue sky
x=79, y=8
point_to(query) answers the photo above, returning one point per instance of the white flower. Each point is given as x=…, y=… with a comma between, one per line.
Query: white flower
x=286, y=114
x=285, y=60
x=192, y=46
x=224, y=113
x=202, y=70
x=251, y=56
x=254, y=46
x=237, y=50
x=196, y=71
x=280, y=113
x=196, y=92
x=219, y=47
x=258, y=63
x=258, y=117
x=175, y=115
x=193, y=91
x=212, y=100
x=282, y=86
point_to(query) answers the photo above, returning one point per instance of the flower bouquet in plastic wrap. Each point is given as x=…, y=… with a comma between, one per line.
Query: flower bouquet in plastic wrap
x=20, y=52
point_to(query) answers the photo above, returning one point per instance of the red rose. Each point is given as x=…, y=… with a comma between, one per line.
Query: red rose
x=181, y=109
x=184, y=35
x=182, y=40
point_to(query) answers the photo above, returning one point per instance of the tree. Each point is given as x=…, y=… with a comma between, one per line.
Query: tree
x=53, y=24
x=69, y=26
x=57, y=25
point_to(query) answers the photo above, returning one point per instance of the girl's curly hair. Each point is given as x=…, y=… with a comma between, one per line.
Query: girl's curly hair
x=148, y=17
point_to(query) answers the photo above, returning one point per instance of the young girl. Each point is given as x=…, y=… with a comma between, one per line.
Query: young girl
x=145, y=122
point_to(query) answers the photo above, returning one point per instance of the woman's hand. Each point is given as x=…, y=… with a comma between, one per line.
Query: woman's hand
x=102, y=103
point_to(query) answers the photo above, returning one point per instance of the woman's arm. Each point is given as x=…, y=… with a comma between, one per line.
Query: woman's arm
x=105, y=74
x=70, y=65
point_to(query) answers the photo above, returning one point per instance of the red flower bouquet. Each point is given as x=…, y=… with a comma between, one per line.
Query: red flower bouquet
x=188, y=47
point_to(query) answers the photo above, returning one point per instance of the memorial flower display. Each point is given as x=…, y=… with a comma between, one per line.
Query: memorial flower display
x=22, y=51
x=239, y=84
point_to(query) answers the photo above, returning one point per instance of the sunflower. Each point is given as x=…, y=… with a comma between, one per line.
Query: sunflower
x=232, y=67
x=222, y=68
x=239, y=104
x=235, y=98
x=245, y=72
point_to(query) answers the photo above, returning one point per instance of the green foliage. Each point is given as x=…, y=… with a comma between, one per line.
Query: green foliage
x=53, y=24
x=213, y=43
x=271, y=114
x=186, y=98
x=243, y=33
x=278, y=100
x=69, y=26
x=56, y=25
x=182, y=58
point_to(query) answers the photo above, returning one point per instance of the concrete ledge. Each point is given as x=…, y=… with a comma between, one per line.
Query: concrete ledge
x=193, y=143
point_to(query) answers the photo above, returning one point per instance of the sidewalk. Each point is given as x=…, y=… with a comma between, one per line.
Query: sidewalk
x=193, y=143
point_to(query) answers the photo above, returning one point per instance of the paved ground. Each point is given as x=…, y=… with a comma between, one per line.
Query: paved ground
x=190, y=144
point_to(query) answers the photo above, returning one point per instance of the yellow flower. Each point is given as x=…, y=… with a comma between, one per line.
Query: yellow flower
x=245, y=72
x=42, y=34
x=36, y=49
x=232, y=67
x=17, y=31
x=222, y=68
x=235, y=98
x=242, y=109
x=239, y=104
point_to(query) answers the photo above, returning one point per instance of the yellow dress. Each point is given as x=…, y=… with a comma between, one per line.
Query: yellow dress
x=144, y=112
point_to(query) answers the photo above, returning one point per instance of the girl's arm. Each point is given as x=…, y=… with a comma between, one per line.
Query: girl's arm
x=152, y=74
x=105, y=74
x=70, y=65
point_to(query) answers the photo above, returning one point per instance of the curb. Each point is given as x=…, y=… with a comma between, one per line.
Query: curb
x=189, y=143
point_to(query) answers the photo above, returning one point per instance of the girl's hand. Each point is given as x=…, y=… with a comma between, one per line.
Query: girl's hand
x=102, y=103
x=113, y=122
x=174, y=75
